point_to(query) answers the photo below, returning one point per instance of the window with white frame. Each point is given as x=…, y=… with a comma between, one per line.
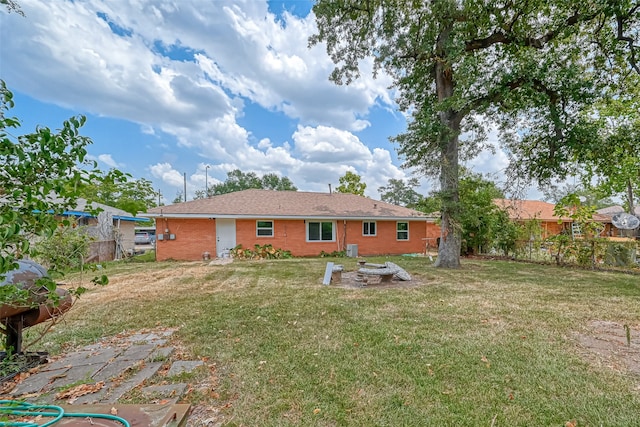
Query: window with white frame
x=320, y=231
x=402, y=231
x=264, y=228
x=368, y=228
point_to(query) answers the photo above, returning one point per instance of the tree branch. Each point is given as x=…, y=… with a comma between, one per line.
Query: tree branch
x=536, y=42
x=620, y=36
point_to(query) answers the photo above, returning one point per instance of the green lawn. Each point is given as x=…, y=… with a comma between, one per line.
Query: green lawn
x=492, y=344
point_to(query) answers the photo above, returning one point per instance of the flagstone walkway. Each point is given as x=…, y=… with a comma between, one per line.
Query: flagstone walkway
x=106, y=371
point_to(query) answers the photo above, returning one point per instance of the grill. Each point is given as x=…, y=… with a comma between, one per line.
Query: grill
x=37, y=307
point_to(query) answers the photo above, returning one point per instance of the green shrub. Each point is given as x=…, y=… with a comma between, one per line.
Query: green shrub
x=65, y=250
x=620, y=254
x=259, y=252
x=334, y=254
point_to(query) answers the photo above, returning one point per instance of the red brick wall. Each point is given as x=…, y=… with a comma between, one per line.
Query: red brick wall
x=195, y=236
x=552, y=228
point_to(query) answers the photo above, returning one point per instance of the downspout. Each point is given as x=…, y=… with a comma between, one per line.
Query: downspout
x=119, y=248
x=344, y=235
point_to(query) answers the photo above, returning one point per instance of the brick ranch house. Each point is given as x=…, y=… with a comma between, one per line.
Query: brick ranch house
x=304, y=223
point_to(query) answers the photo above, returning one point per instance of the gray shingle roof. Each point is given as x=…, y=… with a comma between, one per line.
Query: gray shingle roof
x=285, y=204
x=612, y=210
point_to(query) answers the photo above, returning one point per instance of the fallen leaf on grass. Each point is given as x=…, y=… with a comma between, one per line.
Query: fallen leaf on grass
x=572, y=423
x=79, y=390
x=486, y=361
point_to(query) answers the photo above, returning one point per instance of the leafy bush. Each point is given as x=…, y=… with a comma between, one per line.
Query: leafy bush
x=65, y=250
x=334, y=254
x=620, y=254
x=259, y=252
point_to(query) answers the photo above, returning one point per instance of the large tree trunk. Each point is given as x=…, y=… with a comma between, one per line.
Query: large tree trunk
x=632, y=207
x=450, y=238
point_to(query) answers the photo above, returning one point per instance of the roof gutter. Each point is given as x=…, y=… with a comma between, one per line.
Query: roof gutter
x=293, y=217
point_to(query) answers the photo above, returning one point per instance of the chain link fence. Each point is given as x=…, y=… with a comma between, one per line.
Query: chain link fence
x=594, y=253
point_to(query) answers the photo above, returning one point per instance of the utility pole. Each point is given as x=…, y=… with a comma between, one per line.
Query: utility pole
x=159, y=196
x=185, y=186
x=206, y=185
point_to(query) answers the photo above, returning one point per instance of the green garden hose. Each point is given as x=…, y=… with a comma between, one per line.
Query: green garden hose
x=23, y=409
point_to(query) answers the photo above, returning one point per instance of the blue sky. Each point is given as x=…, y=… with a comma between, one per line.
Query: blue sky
x=171, y=87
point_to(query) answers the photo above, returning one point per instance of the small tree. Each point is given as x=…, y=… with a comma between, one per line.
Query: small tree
x=65, y=249
x=271, y=181
x=238, y=181
x=120, y=190
x=40, y=176
x=480, y=217
x=584, y=250
x=351, y=183
x=400, y=193
x=179, y=197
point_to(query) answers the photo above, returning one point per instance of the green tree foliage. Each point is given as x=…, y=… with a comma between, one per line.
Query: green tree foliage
x=180, y=197
x=610, y=151
x=12, y=6
x=401, y=193
x=454, y=63
x=483, y=225
x=351, y=183
x=480, y=218
x=564, y=246
x=586, y=193
x=40, y=176
x=271, y=181
x=580, y=213
x=238, y=180
x=65, y=249
x=121, y=191
x=35, y=168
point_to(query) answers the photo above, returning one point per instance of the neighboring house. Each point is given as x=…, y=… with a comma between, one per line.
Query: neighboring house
x=527, y=210
x=609, y=212
x=301, y=222
x=113, y=229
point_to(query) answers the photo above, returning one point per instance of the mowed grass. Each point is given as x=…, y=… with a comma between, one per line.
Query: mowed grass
x=491, y=344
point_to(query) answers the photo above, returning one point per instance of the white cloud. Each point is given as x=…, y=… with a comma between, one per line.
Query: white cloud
x=108, y=160
x=264, y=143
x=168, y=175
x=189, y=70
x=324, y=144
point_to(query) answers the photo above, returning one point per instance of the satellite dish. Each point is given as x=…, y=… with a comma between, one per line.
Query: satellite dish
x=625, y=221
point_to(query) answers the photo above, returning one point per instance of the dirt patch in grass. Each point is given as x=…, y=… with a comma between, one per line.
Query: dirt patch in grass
x=137, y=282
x=613, y=345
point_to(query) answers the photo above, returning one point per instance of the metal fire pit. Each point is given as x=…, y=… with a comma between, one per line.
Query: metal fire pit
x=37, y=309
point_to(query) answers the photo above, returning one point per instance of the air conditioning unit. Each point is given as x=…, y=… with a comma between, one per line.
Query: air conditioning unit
x=352, y=251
